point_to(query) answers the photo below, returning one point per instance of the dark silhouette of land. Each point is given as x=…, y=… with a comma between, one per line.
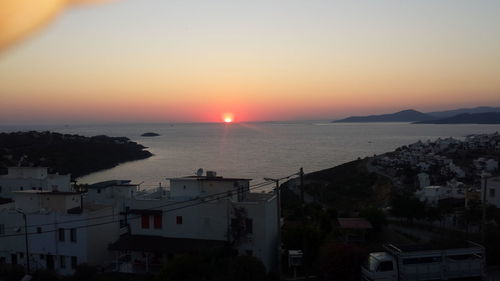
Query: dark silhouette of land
x=467, y=118
x=150, y=134
x=454, y=112
x=64, y=153
x=409, y=115
x=476, y=115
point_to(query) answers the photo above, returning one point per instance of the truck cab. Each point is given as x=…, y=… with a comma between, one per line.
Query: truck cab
x=457, y=261
x=380, y=266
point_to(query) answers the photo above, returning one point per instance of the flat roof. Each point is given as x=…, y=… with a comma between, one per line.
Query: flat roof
x=205, y=178
x=145, y=212
x=33, y=191
x=432, y=247
x=110, y=183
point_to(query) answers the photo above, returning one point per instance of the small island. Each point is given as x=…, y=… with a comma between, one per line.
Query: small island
x=150, y=134
x=67, y=154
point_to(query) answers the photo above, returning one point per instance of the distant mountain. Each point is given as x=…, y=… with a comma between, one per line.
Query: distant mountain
x=450, y=113
x=467, y=118
x=409, y=115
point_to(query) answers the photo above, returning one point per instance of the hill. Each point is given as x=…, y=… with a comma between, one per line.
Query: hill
x=64, y=153
x=409, y=115
x=454, y=112
x=467, y=118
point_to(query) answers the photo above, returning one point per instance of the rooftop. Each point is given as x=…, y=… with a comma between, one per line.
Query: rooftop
x=45, y=192
x=431, y=247
x=110, y=183
x=209, y=178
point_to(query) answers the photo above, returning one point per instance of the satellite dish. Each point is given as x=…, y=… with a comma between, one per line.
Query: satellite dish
x=199, y=173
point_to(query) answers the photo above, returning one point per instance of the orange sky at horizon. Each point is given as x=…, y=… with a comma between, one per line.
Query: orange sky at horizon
x=152, y=61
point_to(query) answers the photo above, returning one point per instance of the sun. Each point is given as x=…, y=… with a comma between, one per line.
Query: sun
x=228, y=118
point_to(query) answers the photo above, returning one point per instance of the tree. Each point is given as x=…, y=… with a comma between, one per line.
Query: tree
x=407, y=206
x=375, y=216
x=303, y=237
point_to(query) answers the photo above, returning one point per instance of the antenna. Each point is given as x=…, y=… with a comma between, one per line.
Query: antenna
x=199, y=173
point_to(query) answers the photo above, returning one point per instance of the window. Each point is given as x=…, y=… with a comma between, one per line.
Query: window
x=38, y=230
x=157, y=221
x=179, y=219
x=72, y=235
x=42, y=256
x=61, y=234
x=492, y=192
x=99, y=190
x=62, y=261
x=385, y=266
x=0, y=189
x=74, y=262
x=145, y=221
x=2, y=229
x=249, y=225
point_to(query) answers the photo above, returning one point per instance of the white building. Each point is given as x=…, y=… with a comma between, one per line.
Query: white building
x=201, y=213
x=117, y=193
x=63, y=231
x=432, y=194
x=492, y=191
x=423, y=180
x=32, y=178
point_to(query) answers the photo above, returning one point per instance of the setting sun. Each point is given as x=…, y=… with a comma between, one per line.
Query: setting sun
x=228, y=117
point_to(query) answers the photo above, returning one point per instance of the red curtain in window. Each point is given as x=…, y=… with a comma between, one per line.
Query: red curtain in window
x=179, y=219
x=145, y=221
x=157, y=221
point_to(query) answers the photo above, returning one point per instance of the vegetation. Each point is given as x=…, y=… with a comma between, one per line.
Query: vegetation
x=64, y=153
x=406, y=205
x=348, y=187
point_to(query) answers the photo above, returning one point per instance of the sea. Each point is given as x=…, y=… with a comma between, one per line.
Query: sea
x=254, y=150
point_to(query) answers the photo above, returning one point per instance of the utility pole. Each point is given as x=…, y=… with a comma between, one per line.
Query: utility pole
x=278, y=204
x=301, y=174
x=26, y=240
x=484, y=183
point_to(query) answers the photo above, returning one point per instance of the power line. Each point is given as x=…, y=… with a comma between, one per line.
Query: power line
x=114, y=221
x=160, y=206
x=252, y=187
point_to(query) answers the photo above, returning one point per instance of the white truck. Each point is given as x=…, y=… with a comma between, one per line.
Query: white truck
x=424, y=262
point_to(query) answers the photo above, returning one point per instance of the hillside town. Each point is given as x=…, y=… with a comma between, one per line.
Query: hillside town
x=453, y=176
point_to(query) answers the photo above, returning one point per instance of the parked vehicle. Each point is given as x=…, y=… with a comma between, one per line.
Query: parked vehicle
x=425, y=262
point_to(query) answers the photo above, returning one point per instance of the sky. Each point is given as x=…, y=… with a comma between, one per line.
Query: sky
x=195, y=60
